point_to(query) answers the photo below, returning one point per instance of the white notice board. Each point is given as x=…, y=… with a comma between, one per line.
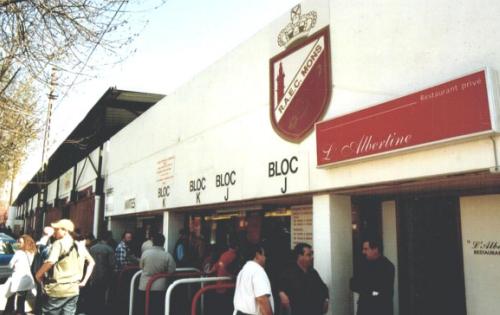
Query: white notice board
x=301, y=227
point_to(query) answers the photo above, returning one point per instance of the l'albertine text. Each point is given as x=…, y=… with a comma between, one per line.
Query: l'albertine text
x=370, y=144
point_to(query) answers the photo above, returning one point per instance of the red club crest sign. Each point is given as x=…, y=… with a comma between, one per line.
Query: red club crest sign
x=300, y=81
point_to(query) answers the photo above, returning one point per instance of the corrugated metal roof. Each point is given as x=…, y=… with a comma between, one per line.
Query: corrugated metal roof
x=113, y=111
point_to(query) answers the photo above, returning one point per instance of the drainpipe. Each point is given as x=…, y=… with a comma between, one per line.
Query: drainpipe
x=99, y=191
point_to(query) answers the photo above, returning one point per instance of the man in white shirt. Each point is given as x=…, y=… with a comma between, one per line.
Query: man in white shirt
x=253, y=294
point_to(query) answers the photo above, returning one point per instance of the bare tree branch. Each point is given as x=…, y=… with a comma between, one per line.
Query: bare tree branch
x=38, y=35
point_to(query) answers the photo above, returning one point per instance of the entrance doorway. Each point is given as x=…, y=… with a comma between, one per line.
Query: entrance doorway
x=367, y=224
x=431, y=278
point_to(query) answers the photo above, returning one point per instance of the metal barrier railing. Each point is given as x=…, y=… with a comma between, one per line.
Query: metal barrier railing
x=132, y=290
x=183, y=269
x=185, y=281
x=202, y=290
x=162, y=275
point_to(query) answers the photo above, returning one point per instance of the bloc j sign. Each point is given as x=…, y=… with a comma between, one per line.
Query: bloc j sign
x=457, y=109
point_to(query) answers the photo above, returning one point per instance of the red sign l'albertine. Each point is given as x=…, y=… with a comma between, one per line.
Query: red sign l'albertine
x=454, y=109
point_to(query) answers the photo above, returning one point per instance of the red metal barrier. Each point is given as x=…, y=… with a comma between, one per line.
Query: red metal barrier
x=161, y=275
x=208, y=288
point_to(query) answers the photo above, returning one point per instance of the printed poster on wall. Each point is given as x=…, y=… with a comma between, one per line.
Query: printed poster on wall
x=301, y=227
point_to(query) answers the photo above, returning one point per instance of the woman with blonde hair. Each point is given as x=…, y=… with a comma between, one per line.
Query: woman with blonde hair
x=21, y=281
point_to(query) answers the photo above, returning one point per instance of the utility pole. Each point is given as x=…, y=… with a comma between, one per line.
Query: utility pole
x=45, y=150
x=12, y=177
x=11, y=212
x=52, y=97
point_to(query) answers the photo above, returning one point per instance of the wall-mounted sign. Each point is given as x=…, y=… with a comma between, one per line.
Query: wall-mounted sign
x=66, y=182
x=197, y=186
x=491, y=248
x=164, y=176
x=225, y=180
x=301, y=227
x=281, y=169
x=130, y=203
x=480, y=223
x=165, y=170
x=453, y=110
x=300, y=77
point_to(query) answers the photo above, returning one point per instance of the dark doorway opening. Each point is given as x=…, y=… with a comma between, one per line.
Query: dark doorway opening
x=431, y=278
x=367, y=224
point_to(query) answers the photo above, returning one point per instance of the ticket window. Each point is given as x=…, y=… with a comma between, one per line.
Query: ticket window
x=144, y=229
x=248, y=226
x=220, y=228
x=279, y=229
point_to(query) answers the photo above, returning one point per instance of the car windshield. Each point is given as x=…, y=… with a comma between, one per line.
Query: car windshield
x=8, y=245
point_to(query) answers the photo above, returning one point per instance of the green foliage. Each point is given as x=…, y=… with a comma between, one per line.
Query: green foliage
x=18, y=124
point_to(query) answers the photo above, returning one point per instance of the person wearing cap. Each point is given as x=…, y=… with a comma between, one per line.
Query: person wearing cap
x=64, y=268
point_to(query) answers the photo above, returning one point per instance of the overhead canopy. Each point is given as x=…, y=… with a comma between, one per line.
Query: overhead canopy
x=114, y=110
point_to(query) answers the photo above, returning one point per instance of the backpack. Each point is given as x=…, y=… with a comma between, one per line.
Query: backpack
x=50, y=273
x=36, y=264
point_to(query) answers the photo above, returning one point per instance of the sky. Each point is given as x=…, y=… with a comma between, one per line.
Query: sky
x=179, y=40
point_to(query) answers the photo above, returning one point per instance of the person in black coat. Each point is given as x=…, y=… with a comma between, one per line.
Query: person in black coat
x=374, y=282
x=301, y=290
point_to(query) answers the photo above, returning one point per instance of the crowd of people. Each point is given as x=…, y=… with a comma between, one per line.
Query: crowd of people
x=68, y=273
x=301, y=291
x=64, y=271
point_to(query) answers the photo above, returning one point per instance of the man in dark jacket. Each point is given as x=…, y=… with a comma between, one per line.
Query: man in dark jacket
x=301, y=290
x=102, y=277
x=374, y=282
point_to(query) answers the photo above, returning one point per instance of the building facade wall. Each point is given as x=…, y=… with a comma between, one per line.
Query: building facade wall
x=86, y=174
x=222, y=119
x=481, y=245
x=176, y=155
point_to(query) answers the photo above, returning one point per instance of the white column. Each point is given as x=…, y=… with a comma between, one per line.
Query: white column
x=172, y=223
x=97, y=203
x=11, y=217
x=480, y=222
x=332, y=236
x=390, y=241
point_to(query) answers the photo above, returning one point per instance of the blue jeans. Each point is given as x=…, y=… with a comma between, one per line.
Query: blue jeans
x=59, y=306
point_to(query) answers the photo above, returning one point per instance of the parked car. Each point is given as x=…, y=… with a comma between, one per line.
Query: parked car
x=7, y=248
